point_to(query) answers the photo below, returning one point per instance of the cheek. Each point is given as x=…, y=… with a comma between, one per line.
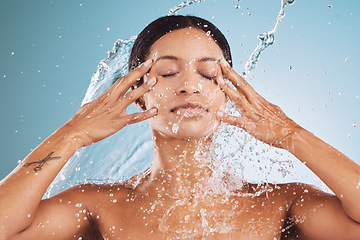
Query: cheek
x=158, y=97
x=216, y=98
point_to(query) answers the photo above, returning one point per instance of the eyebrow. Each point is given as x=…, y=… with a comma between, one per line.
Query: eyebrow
x=167, y=57
x=203, y=59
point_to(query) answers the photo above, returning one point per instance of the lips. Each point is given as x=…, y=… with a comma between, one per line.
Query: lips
x=189, y=109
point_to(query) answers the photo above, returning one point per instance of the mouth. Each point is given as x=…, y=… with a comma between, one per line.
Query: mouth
x=189, y=110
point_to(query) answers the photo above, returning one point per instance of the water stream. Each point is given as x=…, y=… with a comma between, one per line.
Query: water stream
x=266, y=39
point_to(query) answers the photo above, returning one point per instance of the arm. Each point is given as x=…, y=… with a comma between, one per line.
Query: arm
x=338, y=172
x=315, y=214
x=22, y=190
x=268, y=123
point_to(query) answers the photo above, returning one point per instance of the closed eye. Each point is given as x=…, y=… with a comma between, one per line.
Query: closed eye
x=207, y=77
x=168, y=75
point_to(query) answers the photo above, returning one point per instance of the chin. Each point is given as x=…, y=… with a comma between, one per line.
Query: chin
x=190, y=130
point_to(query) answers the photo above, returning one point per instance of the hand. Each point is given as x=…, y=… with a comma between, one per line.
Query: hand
x=263, y=120
x=107, y=114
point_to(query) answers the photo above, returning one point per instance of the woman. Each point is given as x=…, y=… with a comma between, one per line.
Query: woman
x=180, y=86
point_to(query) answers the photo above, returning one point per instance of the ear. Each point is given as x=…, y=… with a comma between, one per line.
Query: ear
x=140, y=103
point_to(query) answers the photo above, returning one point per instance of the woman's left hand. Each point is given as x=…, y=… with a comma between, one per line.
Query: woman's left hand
x=263, y=120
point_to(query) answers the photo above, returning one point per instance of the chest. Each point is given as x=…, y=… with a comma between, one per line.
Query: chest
x=195, y=218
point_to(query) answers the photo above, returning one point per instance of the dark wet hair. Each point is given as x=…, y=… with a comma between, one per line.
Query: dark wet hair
x=164, y=25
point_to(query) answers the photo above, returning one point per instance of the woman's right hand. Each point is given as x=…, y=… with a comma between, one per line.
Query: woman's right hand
x=107, y=114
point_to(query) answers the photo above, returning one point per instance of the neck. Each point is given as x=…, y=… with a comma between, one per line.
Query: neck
x=180, y=165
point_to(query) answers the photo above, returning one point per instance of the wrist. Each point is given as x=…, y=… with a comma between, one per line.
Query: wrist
x=301, y=139
x=294, y=138
x=72, y=140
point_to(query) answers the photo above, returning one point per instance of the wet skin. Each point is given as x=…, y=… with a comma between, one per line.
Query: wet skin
x=178, y=197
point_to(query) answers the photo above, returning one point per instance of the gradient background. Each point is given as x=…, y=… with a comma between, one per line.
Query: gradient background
x=50, y=49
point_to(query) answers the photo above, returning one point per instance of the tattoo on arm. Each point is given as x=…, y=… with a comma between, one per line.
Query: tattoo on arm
x=39, y=164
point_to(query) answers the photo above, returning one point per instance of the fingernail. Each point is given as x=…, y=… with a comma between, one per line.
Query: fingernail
x=153, y=111
x=147, y=63
x=224, y=62
x=151, y=81
x=221, y=81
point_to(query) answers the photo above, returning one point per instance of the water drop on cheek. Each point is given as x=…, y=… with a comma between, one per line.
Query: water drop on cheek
x=175, y=128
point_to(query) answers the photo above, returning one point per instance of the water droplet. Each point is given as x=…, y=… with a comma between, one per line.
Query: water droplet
x=108, y=29
x=78, y=205
x=346, y=59
x=330, y=6
x=77, y=169
x=288, y=2
x=175, y=128
x=12, y=53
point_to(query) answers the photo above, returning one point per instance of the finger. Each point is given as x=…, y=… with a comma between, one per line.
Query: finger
x=133, y=95
x=239, y=82
x=234, y=95
x=141, y=116
x=241, y=122
x=122, y=85
x=131, y=78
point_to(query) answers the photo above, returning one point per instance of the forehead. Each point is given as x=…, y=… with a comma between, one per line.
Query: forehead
x=187, y=43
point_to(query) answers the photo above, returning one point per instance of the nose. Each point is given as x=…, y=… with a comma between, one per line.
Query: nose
x=188, y=84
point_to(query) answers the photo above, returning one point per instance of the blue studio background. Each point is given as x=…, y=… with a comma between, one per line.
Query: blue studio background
x=50, y=49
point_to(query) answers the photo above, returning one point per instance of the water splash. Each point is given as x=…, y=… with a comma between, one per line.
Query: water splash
x=266, y=39
x=106, y=163
x=110, y=69
x=176, y=9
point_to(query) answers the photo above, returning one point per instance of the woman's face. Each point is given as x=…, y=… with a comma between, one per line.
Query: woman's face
x=186, y=94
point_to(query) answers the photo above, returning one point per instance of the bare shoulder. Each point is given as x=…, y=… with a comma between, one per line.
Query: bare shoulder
x=310, y=206
x=93, y=196
x=68, y=214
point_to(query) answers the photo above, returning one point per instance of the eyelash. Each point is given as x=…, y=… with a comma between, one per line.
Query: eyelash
x=173, y=74
x=207, y=77
x=168, y=75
